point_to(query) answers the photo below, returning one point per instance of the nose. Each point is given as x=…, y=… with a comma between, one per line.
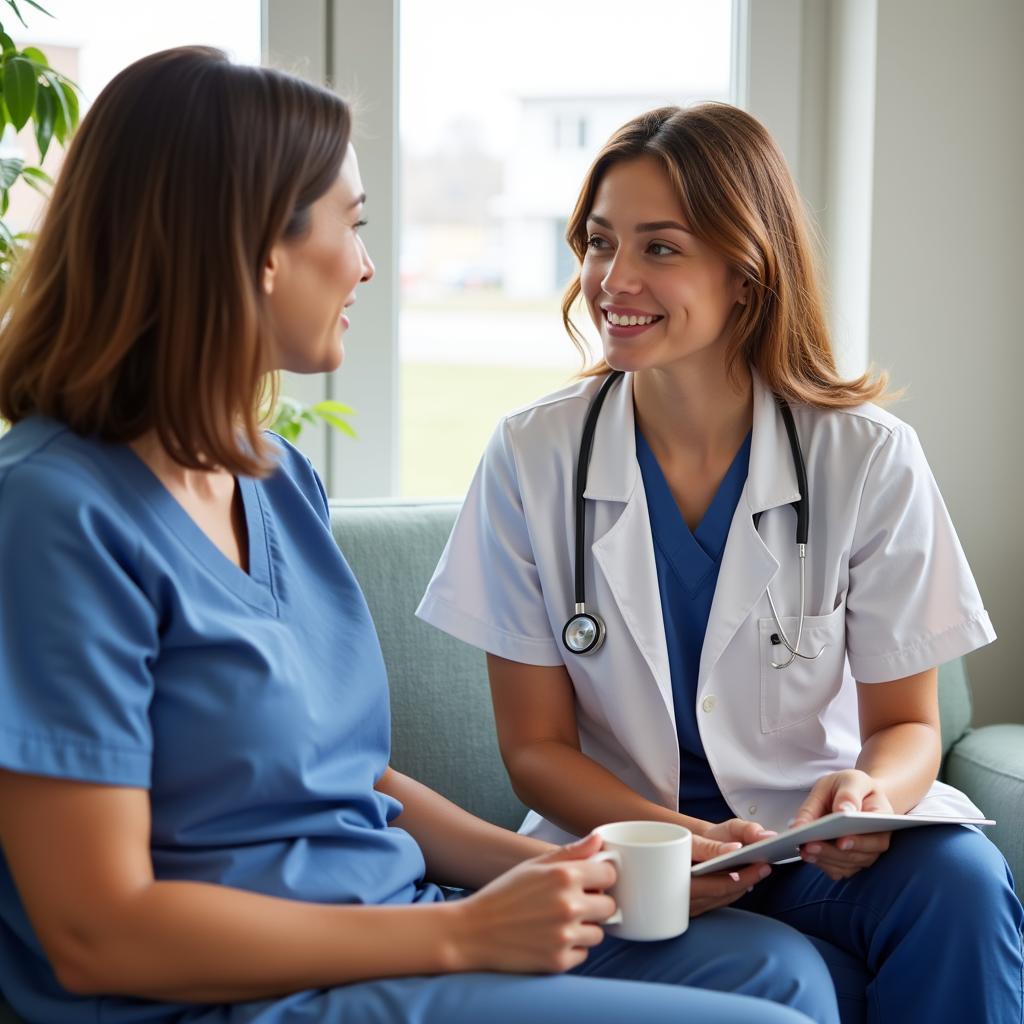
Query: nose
x=621, y=277
x=368, y=268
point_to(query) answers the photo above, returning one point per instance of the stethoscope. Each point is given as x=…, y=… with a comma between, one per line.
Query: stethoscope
x=584, y=633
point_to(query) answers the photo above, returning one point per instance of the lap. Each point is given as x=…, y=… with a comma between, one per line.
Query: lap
x=728, y=968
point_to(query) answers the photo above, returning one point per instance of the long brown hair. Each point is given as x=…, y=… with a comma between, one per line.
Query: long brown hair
x=739, y=197
x=139, y=307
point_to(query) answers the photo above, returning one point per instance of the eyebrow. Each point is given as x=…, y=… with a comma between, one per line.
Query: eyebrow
x=654, y=225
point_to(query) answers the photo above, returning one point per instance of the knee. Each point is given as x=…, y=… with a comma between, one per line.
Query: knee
x=957, y=873
x=793, y=973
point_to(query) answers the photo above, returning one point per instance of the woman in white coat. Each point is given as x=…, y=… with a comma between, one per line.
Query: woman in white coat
x=697, y=270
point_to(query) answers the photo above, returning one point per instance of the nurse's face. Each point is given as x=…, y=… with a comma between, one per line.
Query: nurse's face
x=311, y=280
x=656, y=293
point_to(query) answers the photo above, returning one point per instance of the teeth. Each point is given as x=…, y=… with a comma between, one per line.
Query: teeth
x=629, y=321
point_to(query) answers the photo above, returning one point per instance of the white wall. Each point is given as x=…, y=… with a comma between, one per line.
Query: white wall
x=947, y=222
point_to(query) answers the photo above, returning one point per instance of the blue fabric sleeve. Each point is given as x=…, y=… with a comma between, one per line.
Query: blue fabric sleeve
x=78, y=635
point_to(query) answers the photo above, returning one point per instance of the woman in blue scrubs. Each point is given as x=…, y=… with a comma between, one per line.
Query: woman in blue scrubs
x=697, y=271
x=197, y=815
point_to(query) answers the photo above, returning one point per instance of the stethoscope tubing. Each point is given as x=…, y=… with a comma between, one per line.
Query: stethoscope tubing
x=586, y=629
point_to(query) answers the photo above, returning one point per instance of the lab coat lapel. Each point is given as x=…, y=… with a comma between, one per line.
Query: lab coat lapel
x=624, y=550
x=747, y=564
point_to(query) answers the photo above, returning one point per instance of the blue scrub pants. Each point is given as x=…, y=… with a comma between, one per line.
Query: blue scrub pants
x=727, y=968
x=931, y=932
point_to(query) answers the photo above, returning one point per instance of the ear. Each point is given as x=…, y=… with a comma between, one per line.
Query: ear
x=270, y=270
x=743, y=291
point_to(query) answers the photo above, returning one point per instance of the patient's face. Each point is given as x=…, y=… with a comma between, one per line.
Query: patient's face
x=311, y=280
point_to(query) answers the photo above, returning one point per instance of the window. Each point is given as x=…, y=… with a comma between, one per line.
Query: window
x=90, y=43
x=500, y=116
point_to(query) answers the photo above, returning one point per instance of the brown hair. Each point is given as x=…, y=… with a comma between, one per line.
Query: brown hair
x=739, y=197
x=140, y=306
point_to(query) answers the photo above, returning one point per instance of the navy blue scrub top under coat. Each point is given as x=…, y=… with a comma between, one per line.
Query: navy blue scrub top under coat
x=688, y=563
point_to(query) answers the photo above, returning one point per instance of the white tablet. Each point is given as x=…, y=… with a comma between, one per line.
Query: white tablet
x=786, y=845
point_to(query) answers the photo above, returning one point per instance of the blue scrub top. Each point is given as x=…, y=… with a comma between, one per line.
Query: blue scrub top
x=688, y=564
x=252, y=706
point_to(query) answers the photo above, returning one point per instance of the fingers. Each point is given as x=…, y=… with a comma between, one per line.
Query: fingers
x=708, y=892
x=585, y=847
x=817, y=804
x=705, y=849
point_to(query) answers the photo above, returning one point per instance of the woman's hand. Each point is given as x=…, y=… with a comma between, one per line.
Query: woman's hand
x=709, y=892
x=540, y=917
x=850, y=790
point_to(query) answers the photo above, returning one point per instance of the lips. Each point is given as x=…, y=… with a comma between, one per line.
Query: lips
x=622, y=321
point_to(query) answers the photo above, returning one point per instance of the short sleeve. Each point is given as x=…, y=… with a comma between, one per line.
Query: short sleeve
x=78, y=637
x=486, y=589
x=912, y=602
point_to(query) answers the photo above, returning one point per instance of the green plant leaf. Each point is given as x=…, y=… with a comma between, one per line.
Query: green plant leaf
x=38, y=7
x=37, y=179
x=37, y=57
x=5, y=202
x=62, y=122
x=14, y=7
x=71, y=99
x=20, y=88
x=329, y=405
x=46, y=111
x=338, y=423
x=7, y=43
x=10, y=168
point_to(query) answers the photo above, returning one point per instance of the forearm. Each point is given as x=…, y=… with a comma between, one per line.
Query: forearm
x=904, y=761
x=459, y=848
x=197, y=942
x=577, y=794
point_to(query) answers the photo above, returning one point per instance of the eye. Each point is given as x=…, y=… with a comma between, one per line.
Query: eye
x=359, y=224
x=661, y=249
x=596, y=242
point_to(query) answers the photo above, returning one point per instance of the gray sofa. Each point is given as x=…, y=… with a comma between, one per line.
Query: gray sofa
x=443, y=727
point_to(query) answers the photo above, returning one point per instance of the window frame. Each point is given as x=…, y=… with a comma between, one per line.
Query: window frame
x=347, y=43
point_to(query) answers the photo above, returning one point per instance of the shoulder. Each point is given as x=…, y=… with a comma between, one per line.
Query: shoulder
x=295, y=476
x=857, y=434
x=554, y=418
x=56, y=484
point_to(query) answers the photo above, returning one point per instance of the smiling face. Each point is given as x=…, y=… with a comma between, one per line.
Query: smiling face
x=657, y=294
x=311, y=280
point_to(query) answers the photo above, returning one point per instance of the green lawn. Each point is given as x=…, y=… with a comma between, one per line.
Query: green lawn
x=448, y=413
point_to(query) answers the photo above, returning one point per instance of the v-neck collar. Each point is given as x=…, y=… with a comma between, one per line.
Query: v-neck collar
x=254, y=587
x=693, y=554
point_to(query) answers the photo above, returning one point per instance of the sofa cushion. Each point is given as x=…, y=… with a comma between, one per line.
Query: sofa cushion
x=442, y=723
x=954, y=702
x=988, y=765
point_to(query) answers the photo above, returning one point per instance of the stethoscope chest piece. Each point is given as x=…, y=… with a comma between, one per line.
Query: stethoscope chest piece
x=584, y=632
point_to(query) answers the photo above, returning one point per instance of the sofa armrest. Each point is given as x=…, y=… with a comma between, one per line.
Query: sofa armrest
x=988, y=765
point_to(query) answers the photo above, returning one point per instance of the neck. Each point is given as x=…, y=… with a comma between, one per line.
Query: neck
x=697, y=412
x=203, y=483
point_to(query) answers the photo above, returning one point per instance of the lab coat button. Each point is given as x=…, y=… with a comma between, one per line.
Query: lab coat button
x=708, y=703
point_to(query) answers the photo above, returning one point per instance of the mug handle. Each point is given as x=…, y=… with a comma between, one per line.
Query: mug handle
x=616, y=918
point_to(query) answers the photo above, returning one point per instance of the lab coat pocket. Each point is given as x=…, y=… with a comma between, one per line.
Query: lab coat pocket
x=805, y=687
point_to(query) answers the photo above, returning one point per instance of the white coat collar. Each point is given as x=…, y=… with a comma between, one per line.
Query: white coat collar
x=613, y=471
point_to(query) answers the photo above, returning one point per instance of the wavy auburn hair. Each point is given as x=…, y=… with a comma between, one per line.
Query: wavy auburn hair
x=139, y=306
x=738, y=197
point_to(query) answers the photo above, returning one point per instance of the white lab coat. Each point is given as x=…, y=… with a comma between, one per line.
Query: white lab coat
x=889, y=592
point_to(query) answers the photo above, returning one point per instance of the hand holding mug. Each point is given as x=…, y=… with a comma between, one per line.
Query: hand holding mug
x=540, y=917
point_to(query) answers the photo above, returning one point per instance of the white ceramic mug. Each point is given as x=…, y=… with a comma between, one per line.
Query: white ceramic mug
x=652, y=891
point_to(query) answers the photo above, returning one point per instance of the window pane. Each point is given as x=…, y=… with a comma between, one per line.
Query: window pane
x=501, y=115
x=91, y=42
